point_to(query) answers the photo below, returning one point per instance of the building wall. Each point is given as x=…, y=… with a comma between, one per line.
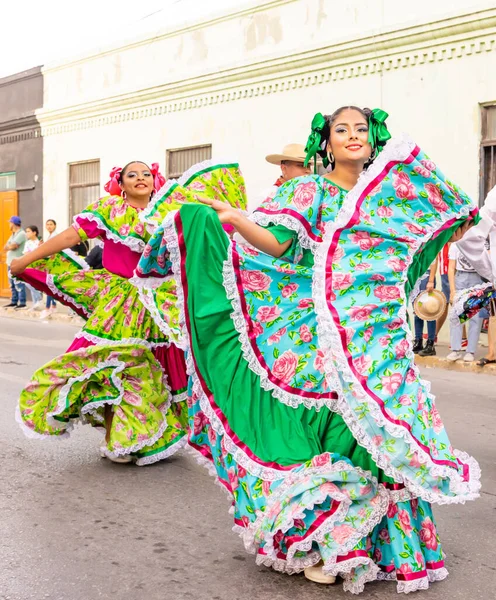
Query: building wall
x=21, y=144
x=250, y=82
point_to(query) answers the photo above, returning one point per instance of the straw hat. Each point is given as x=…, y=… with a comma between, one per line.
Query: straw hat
x=429, y=306
x=294, y=152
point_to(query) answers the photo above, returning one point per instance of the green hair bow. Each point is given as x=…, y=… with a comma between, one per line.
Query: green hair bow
x=378, y=131
x=316, y=138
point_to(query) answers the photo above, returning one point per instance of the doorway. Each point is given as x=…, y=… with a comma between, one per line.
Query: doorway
x=8, y=208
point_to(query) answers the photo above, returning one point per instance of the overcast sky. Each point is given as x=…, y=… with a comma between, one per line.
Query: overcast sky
x=38, y=32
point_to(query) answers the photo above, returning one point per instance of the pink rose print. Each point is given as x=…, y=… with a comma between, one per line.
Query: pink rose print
x=132, y=398
x=199, y=422
x=377, y=440
x=266, y=488
x=419, y=559
x=363, y=266
x=147, y=251
x=366, y=217
x=387, y=292
x=342, y=533
x=428, y=164
x=384, y=536
x=415, y=229
x=414, y=507
x=332, y=189
x=241, y=472
x=405, y=569
x=405, y=400
x=319, y=361
x=385, y=211
x=266, y=314
x=255, y=281
x=256, y=329
x=377, y=555
x=390, y=250
x=414, y=461
x=338, y=254
x=272, y=206
x=139, y=228
x=391, y=383
x=212, y=436
x=364, y=240
x=289, y=289
x=403, y=187
x=401, y=349
x=362, y=363
x=321, y=460
x=410, y=376
x=419, y=214
x=305, y=334
x=124, y=229
x=305, y=303
x=385, y=340
x=437, y=423
x=377, y=277
x=233, y=479
x=308, y=385
x=397, y=264
x=250, y=250
x=394, y=324
x=367, y=334
x=285, y=366
x=350, y=332
x=342, y=281
x=285, y=269
x=303, y=195
x=428, y=534
x=275, y=338
x=392, y=510
x=422, y=171
x=435, y=197
x=361, y=313
x=404, y=519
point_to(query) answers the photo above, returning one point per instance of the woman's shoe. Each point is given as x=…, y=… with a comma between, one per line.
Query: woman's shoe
x=429, y=349
x=316, y=574
x=104, y=453
x=417, y=345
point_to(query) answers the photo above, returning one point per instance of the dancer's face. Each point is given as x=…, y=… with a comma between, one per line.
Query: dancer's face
x=348, y=141
x=137, y=181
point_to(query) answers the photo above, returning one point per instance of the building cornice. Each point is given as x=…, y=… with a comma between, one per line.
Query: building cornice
x=17, y=130
x=447, y=39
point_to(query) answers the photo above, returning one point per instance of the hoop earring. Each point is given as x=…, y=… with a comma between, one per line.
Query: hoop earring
x=372, y=156
x=124, y=195
x=330, y=157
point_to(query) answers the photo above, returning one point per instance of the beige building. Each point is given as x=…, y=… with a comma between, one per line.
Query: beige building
x=243, y=84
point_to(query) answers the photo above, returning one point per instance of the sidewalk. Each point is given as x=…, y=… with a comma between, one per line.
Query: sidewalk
x=439, y=361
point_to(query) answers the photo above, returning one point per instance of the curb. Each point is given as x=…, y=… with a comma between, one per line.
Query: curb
x=34, y=315
x=437, y=362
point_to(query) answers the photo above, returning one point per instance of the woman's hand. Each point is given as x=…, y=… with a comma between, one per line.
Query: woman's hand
x=18, y=265
x=430, y=286
x=461, y=231
x=452, y=296
x=225, y=212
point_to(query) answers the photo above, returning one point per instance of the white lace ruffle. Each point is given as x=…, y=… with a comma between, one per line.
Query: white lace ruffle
x=288, y=221
x=170, y=451
x=396, y=150
x=76, y=258
x=461, y=297
x=239, y=321
x=135, y=244
x=99, y=341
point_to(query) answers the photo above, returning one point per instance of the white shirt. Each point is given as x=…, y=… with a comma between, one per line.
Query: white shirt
x=462, y=262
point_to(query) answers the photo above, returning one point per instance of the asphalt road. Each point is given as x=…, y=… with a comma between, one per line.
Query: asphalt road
x=76, y=527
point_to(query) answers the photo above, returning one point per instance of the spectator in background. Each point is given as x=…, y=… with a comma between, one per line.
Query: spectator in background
x=33, y=241
x=443, y=261
x=428, y=283
x=462, y=276
x=50, y=305
x=15, y=249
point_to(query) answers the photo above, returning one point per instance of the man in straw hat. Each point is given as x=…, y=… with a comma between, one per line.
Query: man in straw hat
x=291, y=161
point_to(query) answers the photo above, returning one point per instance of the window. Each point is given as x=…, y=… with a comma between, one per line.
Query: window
x=488, y=150
x=84, y=185
x=180, y=160
x=7, y=181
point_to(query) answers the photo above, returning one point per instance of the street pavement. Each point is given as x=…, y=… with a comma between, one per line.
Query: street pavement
x=74, y=526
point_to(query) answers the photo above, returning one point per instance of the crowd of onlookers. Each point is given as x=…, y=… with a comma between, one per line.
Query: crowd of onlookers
x=26, y=240
x=456, y=274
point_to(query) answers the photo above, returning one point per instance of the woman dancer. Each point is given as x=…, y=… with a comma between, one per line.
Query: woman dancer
x=113, y=374
x=306, y=402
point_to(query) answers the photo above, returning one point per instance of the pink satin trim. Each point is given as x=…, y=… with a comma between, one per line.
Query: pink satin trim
x=290, y=540
x=296, y=215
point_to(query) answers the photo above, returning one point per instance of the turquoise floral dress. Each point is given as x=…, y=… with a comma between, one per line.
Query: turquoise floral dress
x=305, y=401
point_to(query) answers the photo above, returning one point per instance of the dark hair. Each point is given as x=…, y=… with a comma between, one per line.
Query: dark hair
x=123, y=172
x=34, y=229
x=330, y=119
x=52, y=220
